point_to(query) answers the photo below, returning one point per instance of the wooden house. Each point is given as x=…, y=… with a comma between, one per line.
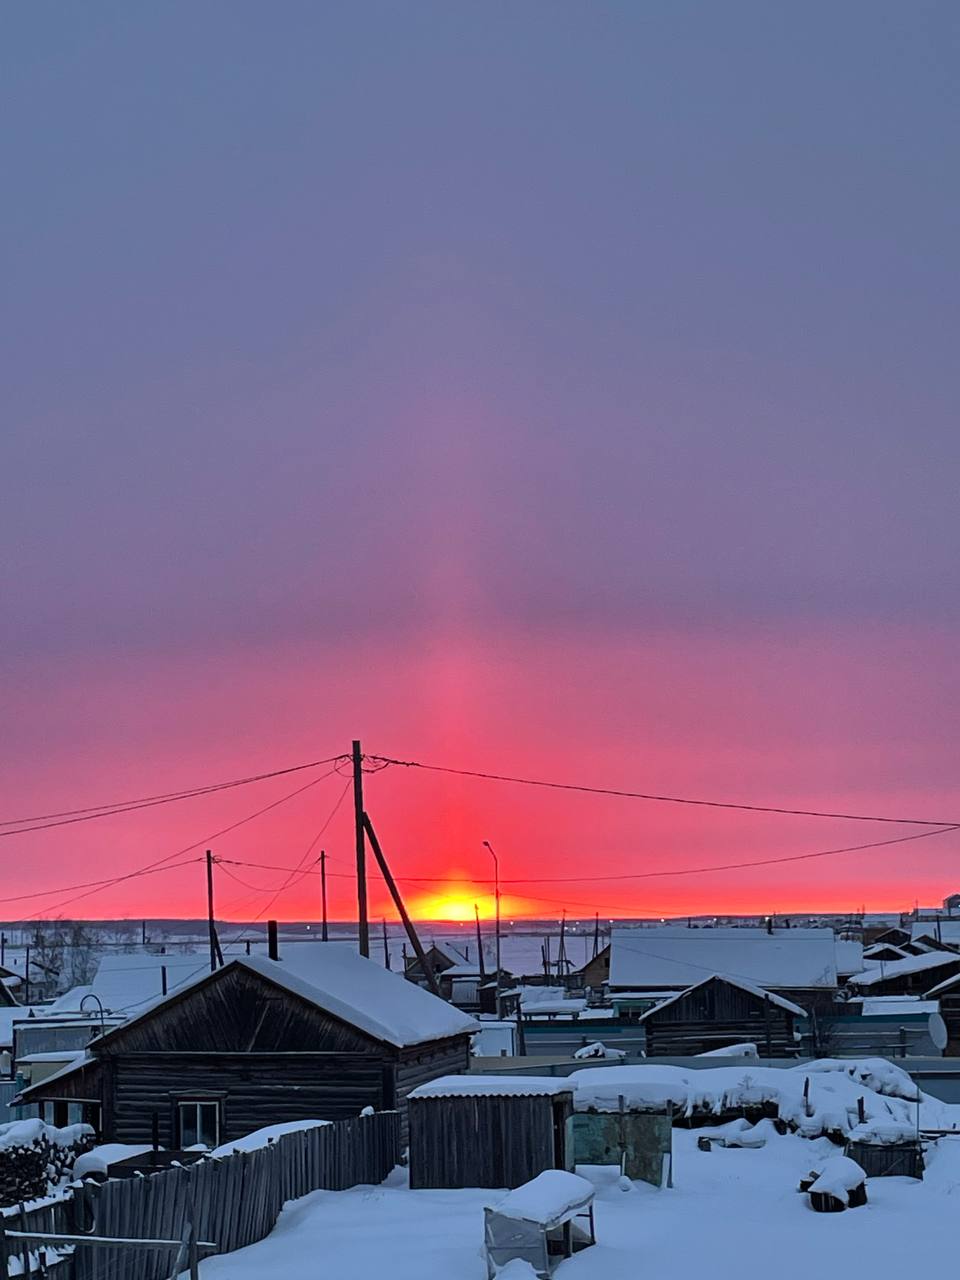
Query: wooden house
x=9, y=982
x=911, y=976
x=719, y=1012
x=948, y=994
x=489, y=1131
x=441, y=956
x=256, y=1043
x=594, y=975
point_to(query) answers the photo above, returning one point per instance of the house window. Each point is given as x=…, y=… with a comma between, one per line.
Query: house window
x=199, y=1124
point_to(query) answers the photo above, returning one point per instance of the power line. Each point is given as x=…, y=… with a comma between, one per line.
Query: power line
x=67, y=817
x=204, y=840
x=297, y=871
x=662, y=799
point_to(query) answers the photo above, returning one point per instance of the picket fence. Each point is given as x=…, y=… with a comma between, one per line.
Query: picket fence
x=232, y=1201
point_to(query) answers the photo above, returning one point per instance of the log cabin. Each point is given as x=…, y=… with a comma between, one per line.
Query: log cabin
x=720, y=1012
x=258, y=1042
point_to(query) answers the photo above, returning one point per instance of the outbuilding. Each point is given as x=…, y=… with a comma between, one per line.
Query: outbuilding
x=489, y=1131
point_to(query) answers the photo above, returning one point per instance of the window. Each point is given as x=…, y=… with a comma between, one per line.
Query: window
x=199, y=1124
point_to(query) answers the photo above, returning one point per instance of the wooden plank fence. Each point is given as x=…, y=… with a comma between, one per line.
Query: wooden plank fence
x=234, y=1200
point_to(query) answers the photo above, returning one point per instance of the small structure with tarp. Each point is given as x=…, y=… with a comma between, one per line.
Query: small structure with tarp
x=638, y=1141
x=543, y=1222
x=489, y=1131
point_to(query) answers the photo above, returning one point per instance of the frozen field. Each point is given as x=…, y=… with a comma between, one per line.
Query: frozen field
x=732, y=1215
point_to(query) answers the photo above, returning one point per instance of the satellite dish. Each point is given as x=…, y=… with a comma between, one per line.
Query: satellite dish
x=937, y=1030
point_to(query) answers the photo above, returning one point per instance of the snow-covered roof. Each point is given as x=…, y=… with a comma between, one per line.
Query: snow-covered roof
x=897, y=1006
x=749, y=987
x=870, y=953
x=947, y=931
x=127, y=983
x=496, y=1086
x=673, y=956
x=884, y=971
x=947, y=985
x=849, y=956
x=334, y=977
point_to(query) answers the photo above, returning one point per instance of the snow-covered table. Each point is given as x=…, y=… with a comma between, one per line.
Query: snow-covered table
x=535, y=1222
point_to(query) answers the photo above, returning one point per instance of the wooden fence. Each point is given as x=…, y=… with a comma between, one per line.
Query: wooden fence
x=233, y=1201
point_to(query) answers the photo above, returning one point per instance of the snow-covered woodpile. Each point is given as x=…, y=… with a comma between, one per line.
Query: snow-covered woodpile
x=34, y=1157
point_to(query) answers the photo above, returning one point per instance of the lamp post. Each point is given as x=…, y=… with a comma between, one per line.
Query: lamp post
x=496, y=891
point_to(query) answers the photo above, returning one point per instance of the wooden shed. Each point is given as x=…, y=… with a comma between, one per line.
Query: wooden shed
x=717, y=1013
x=489, y=1131
x=255, y=1043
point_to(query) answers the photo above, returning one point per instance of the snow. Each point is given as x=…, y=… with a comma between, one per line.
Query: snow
x=504, y=1086
x=20, y=1133
x=732, y=1215
x=263, y=1137
x=99, y=1158
x=549, y=1199
x=832, y=1105
x=838, y=1176
x=672, y=956
x=492, y=1037
x=733, y=1051
x=883, y=972
x=599, y=1050
x=749, y=987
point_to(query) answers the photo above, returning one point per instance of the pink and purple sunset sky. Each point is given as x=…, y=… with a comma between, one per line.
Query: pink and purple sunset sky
x=550, y=389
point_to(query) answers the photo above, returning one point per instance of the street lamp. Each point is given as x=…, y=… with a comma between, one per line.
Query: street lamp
x=496, y=882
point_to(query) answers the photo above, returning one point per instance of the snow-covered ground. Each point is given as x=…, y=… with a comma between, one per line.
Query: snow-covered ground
x=732, y=1215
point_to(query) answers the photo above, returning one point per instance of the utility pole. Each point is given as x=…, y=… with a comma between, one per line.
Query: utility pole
x=596, y=935
x=362, y=926
x=386, y=945
x=476, y=912
x=385, y=871
x=214, y=945
x=3, y=947
x=323, y=895
x=496, y=891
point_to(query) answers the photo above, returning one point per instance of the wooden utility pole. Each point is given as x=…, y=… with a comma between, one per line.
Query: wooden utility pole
x=363, y=927
x=476, y=912
x=386, y=945
x=596, y=935
x=323, y=895
x=214, y=942
x=385, y=871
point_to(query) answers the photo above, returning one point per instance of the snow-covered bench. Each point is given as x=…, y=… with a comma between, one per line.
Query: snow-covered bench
x=536, y=1222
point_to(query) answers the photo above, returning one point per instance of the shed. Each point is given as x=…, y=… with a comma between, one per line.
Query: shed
x=718, y=1012
x=489, y=1131
x=256, y=1043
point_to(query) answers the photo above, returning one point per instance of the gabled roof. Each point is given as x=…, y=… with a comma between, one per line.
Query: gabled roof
x=883, y=971
x=675, y=956
x=947, y=985
x=759, y=992
x=333, y=977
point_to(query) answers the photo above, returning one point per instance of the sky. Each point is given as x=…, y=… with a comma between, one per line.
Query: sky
x=550, y=389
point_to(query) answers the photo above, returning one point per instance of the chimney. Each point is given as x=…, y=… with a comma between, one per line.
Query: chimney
x=273, y=949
